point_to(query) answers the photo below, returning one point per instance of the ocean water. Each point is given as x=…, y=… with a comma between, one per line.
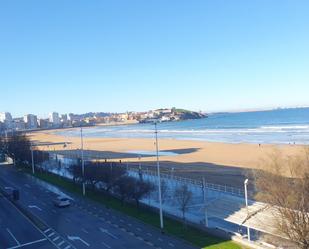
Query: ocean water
x=281, y=126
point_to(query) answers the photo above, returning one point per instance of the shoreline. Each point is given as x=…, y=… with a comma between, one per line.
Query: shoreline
x=54, y=130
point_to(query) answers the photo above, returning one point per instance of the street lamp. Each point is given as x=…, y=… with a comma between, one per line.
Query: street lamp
x=246, y=199
x=159, y=179
x=82, y=157
x=139, y=167
x=32, y=159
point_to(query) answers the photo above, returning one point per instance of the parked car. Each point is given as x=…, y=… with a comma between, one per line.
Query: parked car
x=62, y=202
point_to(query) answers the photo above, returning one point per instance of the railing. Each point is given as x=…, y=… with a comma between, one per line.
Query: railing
x=147, y=169
x=195, y=182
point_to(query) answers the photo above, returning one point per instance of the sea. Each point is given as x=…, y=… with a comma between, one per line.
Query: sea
x=279, y=126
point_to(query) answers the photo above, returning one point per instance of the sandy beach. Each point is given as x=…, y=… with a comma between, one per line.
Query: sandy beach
x=221, y=163
x=188, y=151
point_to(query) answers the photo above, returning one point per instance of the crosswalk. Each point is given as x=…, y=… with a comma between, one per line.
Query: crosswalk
x=57, y=239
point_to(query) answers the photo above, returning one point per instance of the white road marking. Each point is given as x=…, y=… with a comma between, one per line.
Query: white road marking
x=56, y=238
x=84, y=230
x=47, y=230
x=34, y=206
x=27, y=244
x=12, y=235
x=67, y=247
x=78, y=238
x=62, y=242
x=160, y=239
x=51, y=234
x=27, y=185
x=106, y=245
x=108, y=233
x=139, y=229
x=171, y=244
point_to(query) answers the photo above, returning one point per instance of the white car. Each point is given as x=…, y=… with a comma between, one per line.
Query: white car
x=62, y=202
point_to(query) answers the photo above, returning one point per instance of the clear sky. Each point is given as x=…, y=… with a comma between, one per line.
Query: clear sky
x=112, y=55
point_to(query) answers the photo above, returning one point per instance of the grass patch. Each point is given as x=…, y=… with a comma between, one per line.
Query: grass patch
x=172, y=227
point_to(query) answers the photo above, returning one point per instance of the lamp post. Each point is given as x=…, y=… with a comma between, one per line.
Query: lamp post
x=82, y=158
x=32, y=159
x=246, y=199
x=159, y=179
x=139, y=167
x=205, y=201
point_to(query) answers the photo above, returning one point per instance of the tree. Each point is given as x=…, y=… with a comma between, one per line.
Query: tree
x=183, y=196
x=76, y=172
x=124, y=186
x=40, y=156
x=140, y=189
x=17, y=146
x=92, y=173
x=109, y=175
x=283, y=183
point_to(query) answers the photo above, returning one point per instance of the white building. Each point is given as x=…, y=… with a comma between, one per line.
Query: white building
x=31, y=121
x=54, y=118
x=6, y=118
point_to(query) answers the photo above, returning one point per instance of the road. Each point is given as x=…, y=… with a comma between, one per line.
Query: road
x=16, y=231
x=85, y=224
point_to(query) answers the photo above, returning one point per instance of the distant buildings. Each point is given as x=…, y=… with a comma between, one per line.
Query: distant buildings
x=6, y=119
x=44, y=123
x=31, y=121
x=19, y=124
x=54, y=119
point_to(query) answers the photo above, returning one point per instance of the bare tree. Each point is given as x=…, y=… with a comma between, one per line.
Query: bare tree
x=283, y=183
x=124, y=186
x=109, y=175
x=76, y=171
x=141, y=189
x=183, y=196
x=17, y=146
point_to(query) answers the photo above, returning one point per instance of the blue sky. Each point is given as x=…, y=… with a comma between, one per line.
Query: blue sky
x=80, y=56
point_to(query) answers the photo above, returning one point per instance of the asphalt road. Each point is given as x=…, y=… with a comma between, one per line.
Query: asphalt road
x=16, y=231
x=85, y=224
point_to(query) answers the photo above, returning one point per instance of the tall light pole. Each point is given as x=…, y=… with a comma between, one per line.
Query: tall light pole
x=159, y=179
x=82, y=157
x=246, y=199
x=205, y=201
x=32, y=159
x=139, y=167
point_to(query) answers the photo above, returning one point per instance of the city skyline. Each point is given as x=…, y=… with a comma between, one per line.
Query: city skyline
x=209, y=56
